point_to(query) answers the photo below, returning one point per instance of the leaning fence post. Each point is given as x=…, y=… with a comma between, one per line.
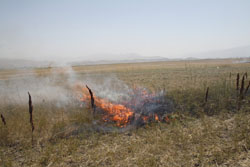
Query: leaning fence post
x=3, y=119
x=92, y=98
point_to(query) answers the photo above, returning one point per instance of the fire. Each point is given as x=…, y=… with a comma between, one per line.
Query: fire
x=145, y=118
x=114, y=112
x=156, y=117
x=136, y=109
x=166, y=119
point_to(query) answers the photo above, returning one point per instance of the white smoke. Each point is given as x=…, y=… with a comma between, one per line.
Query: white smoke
x=57, y=87
x=54, y=87
x=108, y=87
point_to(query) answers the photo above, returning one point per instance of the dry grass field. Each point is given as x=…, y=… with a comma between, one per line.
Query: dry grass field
x=200, y=132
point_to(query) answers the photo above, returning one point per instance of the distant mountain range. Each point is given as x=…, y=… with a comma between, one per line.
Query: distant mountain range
x=239, y=52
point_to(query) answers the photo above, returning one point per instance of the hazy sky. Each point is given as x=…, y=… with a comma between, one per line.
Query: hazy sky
x=69, y=29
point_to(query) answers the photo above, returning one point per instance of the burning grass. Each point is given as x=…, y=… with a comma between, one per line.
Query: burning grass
x=206, y=128
x=142, y=107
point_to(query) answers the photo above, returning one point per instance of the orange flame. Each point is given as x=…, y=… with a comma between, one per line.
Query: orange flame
x=166, y=119
x=156, y=117
x=115, y=112
x=145, y=118
x=118, y=113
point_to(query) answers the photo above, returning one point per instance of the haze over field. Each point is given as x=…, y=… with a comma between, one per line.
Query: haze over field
x=125, y=83
x=98, y=30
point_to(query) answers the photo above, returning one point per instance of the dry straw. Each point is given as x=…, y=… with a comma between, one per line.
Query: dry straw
x=245, y=75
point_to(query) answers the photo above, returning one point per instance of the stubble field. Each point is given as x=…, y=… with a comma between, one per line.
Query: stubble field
x=212, y=131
